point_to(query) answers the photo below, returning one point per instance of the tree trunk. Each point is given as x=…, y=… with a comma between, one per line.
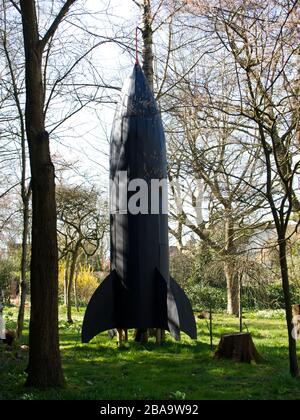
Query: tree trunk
x=75, y=288
x=23, y=283
x=232, y=280
x=70, y=283
x=44, y=369
x=241, y=303
x=294, y=367
x=232, y=288
x=66, y=276
x=147, y=31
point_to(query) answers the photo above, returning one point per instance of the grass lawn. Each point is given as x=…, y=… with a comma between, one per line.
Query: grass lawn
x=184, y=370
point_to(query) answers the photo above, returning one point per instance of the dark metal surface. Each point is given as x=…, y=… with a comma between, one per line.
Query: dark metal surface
x=139, y=292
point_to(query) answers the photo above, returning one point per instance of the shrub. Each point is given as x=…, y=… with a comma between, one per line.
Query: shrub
x=204, y=297
x=86, y=283
x=255, y=297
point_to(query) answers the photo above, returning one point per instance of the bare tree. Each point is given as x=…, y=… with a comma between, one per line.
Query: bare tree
x=209, y=172
x=82, y=226
x=25, y=188
x=73, y=82
x=44, y=367
x=262, y=46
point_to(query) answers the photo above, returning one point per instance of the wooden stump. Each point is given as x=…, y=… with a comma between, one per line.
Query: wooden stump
x=238, y=347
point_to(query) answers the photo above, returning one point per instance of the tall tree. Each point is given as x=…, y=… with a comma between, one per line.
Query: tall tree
x=147, y=31
x=13, y=77
x=208, y=157
x=261, y=42
x=44, y=369
x=269, y=92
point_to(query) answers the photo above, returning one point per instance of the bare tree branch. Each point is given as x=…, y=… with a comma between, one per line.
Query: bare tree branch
x=54, y=26
x=15, y=6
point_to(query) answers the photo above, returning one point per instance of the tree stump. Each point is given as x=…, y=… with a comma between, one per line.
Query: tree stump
x=238, y=347
x=296, y=321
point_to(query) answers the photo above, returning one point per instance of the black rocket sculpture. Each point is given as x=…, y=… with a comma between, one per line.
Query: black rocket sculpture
x=139, y=293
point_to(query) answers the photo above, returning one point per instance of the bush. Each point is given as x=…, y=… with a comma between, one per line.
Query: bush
x=255, y=297
x=204, y=297
x=276, y=297
x=203, y=285
x=268, y=296
x=86, y=283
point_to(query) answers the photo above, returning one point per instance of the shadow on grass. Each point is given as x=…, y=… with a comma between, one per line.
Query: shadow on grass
x=187, y=369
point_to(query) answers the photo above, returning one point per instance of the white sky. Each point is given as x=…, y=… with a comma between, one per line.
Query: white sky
x=87, y=143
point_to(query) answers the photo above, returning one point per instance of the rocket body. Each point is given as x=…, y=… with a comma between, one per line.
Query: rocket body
x=139, y=292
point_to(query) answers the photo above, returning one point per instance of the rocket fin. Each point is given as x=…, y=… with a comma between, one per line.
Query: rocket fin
x=180, y=313
x=183, y=313
x=100, y=313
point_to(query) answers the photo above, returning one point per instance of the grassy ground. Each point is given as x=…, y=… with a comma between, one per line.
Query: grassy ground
x=184, y=370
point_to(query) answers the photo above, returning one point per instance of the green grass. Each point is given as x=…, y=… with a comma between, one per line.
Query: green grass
x=185, y=370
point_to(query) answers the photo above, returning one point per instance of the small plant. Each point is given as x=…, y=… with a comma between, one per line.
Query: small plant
x=178, y=396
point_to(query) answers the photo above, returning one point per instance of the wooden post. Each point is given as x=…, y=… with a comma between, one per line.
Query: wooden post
x=160, y=336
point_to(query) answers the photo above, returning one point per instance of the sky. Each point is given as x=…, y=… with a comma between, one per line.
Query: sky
x=86, y=139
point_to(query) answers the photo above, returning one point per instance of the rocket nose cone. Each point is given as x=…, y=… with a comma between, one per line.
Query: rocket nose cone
x=137, y=97
x=141, y=79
